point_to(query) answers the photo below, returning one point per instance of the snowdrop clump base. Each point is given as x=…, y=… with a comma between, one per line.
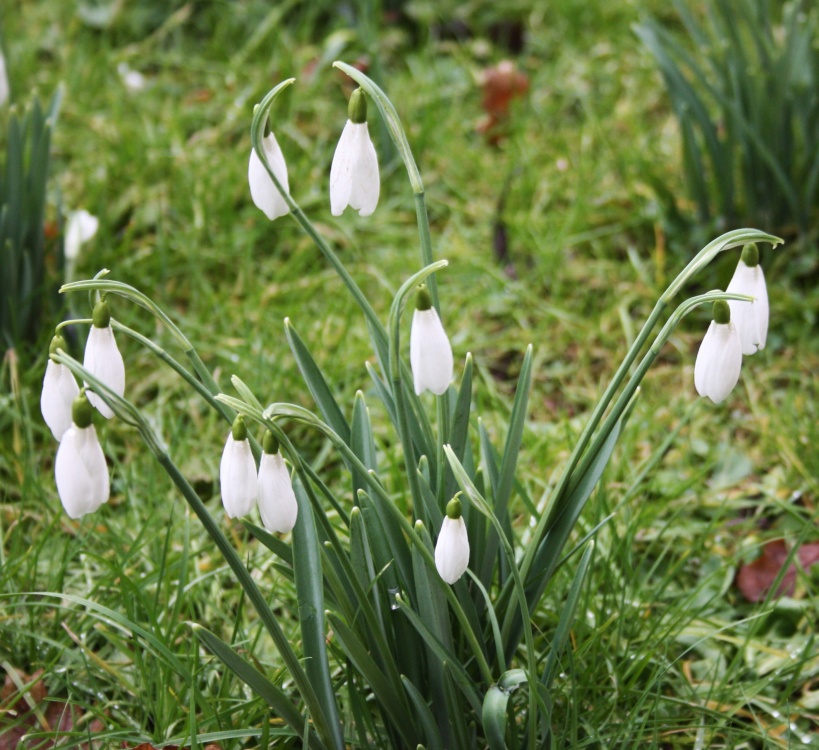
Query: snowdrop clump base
x=424, y=587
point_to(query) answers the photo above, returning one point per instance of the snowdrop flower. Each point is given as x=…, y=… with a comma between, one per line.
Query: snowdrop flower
x=354, y=177
x=102, y=358
x=82, y=226
x=277, y=501
x=430, y=350
x=4, y=81
x=133, y=79
x=264, y=193
x=59, y=391
x=750, y=318
x=80, y=469
x=719, y=359
x=452, y=547
x=237, y=472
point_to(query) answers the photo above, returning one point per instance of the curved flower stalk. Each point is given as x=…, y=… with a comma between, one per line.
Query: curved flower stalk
x=277, y=501
x=452, y=547
x=719, y=359
x=102, y=358
x=750, y=318
x=430, y=350
x=59, y=391
x=354, y=177
x=80, y=470
x=264, y=192
x=237, y=472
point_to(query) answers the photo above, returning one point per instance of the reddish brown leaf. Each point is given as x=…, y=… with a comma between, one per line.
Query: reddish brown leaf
x=500, y=84
x=755, y=579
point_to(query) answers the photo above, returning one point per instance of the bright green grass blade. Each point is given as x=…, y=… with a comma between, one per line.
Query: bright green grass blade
x=275, y=697
x=509, y=461
x=314, y=379
x=310, y=592
x=567, y=615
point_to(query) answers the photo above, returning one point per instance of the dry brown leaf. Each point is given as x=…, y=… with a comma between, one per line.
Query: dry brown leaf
x=500, y=84
x=756, y=578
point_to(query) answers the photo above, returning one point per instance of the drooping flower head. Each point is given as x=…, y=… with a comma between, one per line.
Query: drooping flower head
x=80, y=469
x=452, y=547
x=750, y=318
x=262, y=188
x=430, y=350
x=719, y=359
x=354, y=177
x=237, y=472
x=102, y=358
x=81, y=227
x=4, y=81
x=59, y=391
x=277, y=501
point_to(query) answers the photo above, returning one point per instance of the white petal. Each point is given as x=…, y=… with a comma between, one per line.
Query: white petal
x=366, y=180
x=719, y=361
x=59, y=391
x=750, y=318
x=264, y=193
x=341, y=170
x=103, y=360
x=277, y=501
x=452, y=550
x=430, y=353
x=81, y=472
x=82, y=226
x=237, y=477
x=4, y=81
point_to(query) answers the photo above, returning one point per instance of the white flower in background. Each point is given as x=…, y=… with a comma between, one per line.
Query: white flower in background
x=430, y=350
x=264, y=193
x=237, y=472
x=81, y=227
x=4, y=81
x=452, y=547
x=719, y=359
x=80, y=469
x=277, y=501
x=102, y=358
x=354, y=177
x=59, y=391
x=133, y=79
x=750, y=318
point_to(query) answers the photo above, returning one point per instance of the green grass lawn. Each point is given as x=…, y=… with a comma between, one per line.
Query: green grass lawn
x=665, y=651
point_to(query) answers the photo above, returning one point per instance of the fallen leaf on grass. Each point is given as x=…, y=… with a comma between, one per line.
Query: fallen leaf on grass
x=500, y=84
x=756, y=578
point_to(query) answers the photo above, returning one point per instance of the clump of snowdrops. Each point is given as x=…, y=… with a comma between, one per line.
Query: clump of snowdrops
x=430, y=609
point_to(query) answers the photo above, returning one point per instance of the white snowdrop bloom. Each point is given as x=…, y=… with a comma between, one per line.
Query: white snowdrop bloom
x=133, y=79
x=452, y=547
x=719, y=359
x=750, y=318
x=430, y=350
x=264, y=193
x=59, y=391
x=354, y=177
x=4, y=81
x=81, y=227
x=102, y=358
x=277, y=501
x=80, y=469
x=237, y=472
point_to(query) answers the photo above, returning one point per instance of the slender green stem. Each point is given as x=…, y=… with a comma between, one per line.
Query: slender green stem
x=426, y=245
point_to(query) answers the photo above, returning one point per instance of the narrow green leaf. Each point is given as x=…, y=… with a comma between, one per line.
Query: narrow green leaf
x=459, y=430
x=493, y=716
x=314, y=379
x=425, y=717
x=275, y=697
